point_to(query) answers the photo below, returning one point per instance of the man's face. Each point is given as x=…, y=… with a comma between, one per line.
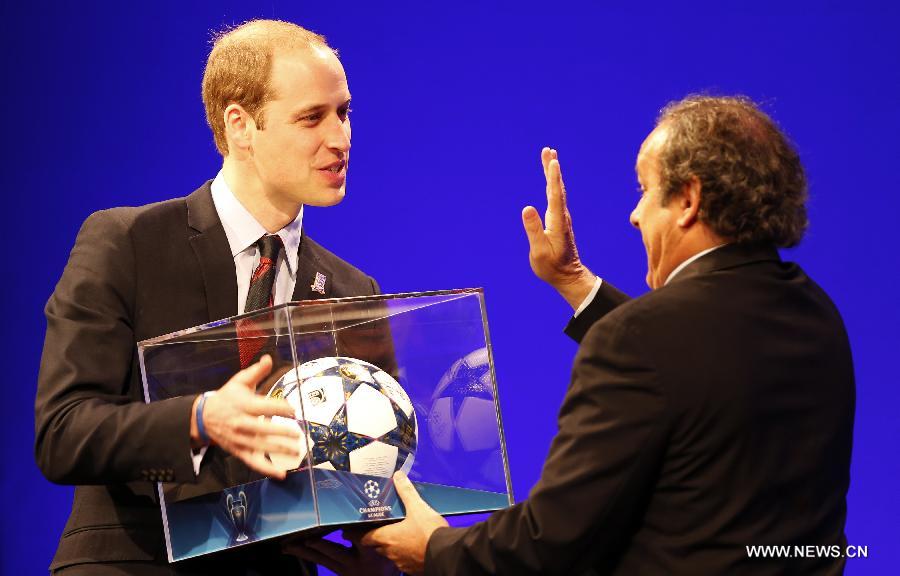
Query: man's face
x=656, y=222
x=301, y=155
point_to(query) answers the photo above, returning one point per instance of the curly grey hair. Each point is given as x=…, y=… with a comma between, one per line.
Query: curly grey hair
x=753, y=187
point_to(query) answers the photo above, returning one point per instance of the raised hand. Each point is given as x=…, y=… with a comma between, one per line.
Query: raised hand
x=237, y=420
x=552, y=252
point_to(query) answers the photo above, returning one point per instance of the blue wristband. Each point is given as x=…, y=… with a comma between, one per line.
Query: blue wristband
x=198, y=414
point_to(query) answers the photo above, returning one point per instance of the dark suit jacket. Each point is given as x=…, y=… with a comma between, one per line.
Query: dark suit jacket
x=711, y=414
x=133, y=274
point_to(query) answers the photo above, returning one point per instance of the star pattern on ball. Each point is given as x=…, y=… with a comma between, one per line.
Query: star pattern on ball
x=333, y=443
x=348, y=428
x=350, y=386
x=404, y=435
x=468, y=382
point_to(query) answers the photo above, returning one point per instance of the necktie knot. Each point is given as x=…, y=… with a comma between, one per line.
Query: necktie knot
x=263, y=279
x=269, y=246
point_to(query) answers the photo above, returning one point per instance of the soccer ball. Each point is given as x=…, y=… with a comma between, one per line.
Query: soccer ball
x=462, y=423
x=356, y=418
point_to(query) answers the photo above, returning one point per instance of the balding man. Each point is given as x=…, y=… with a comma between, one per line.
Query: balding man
x=712, y=414
x=278, y=103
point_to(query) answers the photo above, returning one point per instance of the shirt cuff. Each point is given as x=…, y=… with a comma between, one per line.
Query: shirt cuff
x=197, y=457
x=589, y=298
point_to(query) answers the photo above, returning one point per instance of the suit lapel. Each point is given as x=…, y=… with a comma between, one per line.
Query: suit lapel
x=213, y=254
x=308, y=266
x=216, y=264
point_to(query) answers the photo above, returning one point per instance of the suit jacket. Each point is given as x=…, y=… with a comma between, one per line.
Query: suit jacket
x=709, y=415
x=133, y=274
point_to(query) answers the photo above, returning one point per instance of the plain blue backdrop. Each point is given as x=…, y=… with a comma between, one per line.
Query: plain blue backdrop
x=452, y=102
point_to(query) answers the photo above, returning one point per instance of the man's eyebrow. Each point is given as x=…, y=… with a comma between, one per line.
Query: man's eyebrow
x=318, y=108
x=311, y=109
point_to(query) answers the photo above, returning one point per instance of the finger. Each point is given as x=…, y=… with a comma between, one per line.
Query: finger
x=407, y=492
x=546, y=156
x=261, y=406
x=289, y=463
x=373, y=538
x=250, y=376
x=257, y=428
x=559, y=177
x=353, y=535
x=556, y=191
x=548, y=176
x=286, y=449
x=534, y=228
x=283, y=456
x=256, y=461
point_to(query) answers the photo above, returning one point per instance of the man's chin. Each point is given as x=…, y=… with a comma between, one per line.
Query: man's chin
x=653, y=281
x=326, y=198
x=649, y=277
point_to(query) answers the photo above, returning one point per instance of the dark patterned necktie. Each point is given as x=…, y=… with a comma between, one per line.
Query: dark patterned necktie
x=260, y=294
x=252, y=335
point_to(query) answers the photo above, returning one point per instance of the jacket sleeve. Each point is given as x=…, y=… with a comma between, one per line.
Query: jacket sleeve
x=91, y=425
x=596, y=479
x=604, y=302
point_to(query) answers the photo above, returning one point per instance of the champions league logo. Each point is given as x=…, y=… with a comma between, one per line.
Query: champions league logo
x=372, y=489
x=375, y=510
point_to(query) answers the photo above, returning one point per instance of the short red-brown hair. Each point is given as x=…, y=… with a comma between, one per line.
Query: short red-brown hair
x=239, y=69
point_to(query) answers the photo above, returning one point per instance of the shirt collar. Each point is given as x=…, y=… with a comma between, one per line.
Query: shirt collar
x=243, y=230
x=684, y=264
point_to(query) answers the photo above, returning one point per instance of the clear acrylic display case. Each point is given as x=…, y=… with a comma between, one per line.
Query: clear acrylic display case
x=379, y=383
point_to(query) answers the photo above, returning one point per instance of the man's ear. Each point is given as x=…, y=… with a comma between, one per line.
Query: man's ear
x=239, y=127
x=689, y=203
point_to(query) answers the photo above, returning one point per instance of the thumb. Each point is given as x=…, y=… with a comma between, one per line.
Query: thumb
x=250, y=376
x=407, y=492
x=534, y=228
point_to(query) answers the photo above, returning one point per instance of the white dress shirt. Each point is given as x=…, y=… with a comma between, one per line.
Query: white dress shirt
x=242, y=231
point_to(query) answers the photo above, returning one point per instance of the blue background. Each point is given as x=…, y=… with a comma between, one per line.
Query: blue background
x=452, y=103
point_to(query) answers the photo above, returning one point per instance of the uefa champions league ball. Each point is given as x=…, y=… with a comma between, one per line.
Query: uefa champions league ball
x=356, y=418
x=462, y=423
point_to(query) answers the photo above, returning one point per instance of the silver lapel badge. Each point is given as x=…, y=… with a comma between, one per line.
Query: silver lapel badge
x=318, y=284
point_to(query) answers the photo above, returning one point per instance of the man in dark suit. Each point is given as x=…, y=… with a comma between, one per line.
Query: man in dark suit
x=712, y=414
x=277, y=101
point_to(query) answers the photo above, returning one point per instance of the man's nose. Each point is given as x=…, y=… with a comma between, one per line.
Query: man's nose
x=338, y=136
x=635, y=217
